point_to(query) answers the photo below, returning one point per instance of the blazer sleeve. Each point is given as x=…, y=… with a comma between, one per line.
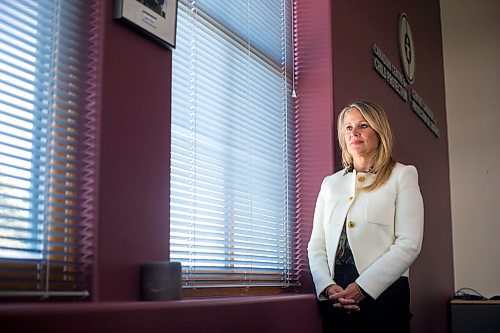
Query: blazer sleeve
x=316, y=249
x=408, y=232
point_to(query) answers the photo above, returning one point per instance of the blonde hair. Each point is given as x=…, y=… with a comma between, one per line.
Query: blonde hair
x=378, y=121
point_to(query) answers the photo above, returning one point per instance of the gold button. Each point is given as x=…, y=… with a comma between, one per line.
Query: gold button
x=351, y=224
x=350, y=198
x=361, y=178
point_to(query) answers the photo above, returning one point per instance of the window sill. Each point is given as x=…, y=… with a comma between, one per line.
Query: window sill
x=278, y=313
x=80, y=307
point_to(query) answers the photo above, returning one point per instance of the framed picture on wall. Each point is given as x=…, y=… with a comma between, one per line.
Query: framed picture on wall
x=155, y=18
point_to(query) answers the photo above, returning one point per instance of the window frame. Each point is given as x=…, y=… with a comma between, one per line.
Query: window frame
x=252, y=290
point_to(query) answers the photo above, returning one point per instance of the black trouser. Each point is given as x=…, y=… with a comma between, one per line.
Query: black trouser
x=390, y=312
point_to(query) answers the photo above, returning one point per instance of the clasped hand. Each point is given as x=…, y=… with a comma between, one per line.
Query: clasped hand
x=348, y=298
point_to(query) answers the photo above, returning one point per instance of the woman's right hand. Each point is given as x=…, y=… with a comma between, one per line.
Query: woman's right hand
x=336, y=294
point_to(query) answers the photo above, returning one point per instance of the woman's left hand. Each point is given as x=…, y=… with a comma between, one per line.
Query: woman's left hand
x=349, y=298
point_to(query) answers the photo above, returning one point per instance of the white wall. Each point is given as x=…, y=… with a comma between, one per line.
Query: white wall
x=471, y=46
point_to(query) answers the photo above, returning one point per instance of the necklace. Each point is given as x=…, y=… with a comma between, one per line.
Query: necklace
x=351, y=169
x=370, y=169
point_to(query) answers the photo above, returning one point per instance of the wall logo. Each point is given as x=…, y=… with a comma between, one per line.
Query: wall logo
x=401, y=83
x=406, y=48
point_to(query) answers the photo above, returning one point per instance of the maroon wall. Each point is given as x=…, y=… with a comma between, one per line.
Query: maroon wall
x=313, y=69
x=357, y=25
x=133, y=222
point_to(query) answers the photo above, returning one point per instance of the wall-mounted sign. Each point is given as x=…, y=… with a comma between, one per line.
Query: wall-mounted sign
x=399, y=82
x=390, y=73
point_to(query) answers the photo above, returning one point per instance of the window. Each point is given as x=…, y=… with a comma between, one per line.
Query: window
x=47, y=135
x=232, y=160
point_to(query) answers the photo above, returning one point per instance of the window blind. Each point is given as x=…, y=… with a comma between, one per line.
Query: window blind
x=232, y=220
x=47, y=146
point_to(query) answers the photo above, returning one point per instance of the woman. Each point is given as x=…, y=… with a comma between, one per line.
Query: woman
x=367, y=229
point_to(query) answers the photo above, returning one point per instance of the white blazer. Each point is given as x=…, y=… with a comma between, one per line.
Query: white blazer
x=384, y=227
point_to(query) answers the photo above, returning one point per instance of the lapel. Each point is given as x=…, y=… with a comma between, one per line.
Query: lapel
x=342, y=194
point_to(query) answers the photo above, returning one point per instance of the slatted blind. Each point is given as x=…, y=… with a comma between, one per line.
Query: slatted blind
x=47, y=140
x=232, y=221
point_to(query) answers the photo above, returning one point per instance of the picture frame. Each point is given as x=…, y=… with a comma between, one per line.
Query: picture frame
x=155, y=18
